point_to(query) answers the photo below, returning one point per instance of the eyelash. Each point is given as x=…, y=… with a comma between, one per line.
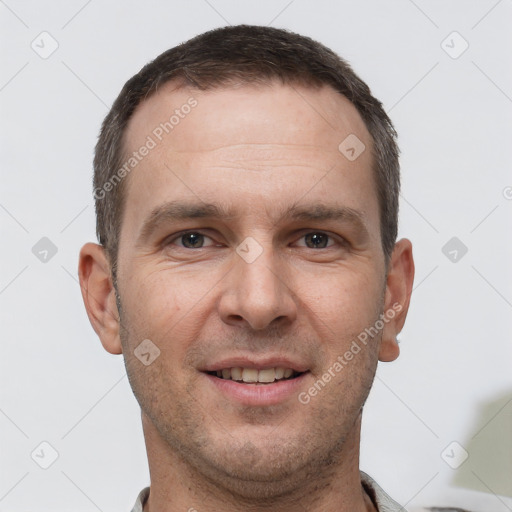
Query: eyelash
x=341, y=241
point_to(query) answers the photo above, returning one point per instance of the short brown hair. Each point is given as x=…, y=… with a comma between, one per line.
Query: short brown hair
x=243, y=54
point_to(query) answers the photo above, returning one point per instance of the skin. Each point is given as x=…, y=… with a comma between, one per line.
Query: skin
x=258, y=151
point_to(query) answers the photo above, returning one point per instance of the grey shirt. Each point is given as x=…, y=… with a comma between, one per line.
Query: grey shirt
x=382, y=502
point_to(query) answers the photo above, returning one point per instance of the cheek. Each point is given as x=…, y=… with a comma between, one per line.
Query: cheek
x=156, y=295
x=345, y=300
x=166, y=307
x=157, y=310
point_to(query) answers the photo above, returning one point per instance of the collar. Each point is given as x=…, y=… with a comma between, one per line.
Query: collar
x=381, y=501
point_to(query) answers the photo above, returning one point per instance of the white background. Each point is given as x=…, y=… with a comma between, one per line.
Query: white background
x=453, y=380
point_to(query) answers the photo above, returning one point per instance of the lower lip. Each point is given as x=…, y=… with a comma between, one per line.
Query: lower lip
x=259, y=394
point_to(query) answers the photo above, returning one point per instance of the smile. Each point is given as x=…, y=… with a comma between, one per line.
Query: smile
x=255, y=376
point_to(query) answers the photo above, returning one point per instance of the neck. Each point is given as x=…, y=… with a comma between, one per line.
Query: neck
x=178, y=485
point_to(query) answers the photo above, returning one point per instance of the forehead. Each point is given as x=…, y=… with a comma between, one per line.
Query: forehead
x=244, y=144
x=272, y=113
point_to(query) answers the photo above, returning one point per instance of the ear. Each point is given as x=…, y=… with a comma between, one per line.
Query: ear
x=99, y=297
x=398, y=294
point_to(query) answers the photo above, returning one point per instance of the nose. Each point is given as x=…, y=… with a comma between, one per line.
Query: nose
x=257, y=294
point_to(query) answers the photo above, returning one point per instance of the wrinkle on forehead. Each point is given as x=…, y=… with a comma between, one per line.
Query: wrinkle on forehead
x=261, y=147
x=258, y=156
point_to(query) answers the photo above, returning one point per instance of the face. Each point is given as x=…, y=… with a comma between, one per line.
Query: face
x=250, y=250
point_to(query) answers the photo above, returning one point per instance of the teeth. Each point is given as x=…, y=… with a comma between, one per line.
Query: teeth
x=236, y=373
x=267, y=375
x=252, y=375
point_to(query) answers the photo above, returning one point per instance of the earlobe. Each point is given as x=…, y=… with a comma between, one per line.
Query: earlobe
x=98, y=294
x=398, y=294
x=389, y=350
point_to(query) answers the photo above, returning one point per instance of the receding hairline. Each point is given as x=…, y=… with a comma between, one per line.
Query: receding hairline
x=180, y=83
x=177, y=84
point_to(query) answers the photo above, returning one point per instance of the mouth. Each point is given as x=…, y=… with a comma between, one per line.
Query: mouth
x=255, y=376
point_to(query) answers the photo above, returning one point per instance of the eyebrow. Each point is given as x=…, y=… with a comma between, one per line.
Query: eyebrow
x=174, y=211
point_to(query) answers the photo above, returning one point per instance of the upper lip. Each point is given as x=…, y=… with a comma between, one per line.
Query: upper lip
x=256, y=363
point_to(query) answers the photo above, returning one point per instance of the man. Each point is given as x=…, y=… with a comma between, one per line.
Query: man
x=246, y=187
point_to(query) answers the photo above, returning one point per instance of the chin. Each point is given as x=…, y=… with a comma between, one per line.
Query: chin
x=269, y=479
x=260, y=467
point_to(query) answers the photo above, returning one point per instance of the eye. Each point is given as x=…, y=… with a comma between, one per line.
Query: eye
x=317, y=240
x=189, y=240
